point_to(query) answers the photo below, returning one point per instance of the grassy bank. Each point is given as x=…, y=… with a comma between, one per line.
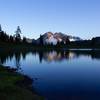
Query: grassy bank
x=14, y=86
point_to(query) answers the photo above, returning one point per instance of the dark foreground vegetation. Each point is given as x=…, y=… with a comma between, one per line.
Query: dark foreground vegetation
x=14, y=86
x=86, y=44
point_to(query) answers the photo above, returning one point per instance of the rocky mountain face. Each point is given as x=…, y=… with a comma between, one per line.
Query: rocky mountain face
x=53, y=38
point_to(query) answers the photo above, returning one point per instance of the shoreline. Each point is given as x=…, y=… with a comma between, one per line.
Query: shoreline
x=15, y=86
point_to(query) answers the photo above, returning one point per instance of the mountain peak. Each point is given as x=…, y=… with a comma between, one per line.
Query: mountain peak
x=53, y=38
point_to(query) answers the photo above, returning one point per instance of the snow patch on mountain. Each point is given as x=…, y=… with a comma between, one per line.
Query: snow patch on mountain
x=51, y=40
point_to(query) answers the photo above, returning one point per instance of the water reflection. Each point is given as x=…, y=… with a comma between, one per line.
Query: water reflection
x=58, y=56
x=67, y=55
x=9, y=55
x=48, y=56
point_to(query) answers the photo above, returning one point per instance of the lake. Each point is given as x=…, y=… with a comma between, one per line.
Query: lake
x=59, y=75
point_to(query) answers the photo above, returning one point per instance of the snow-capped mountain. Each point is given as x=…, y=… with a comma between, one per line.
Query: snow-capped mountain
x=49, y=38
x=53, y=38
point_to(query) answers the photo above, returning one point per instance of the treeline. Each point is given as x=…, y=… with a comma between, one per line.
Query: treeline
x=93, y=43
x=4, y=37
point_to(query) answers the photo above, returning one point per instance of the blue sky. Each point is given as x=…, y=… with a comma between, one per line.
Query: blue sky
x=74, y=17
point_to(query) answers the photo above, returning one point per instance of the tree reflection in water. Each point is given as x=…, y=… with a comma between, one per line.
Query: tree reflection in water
x=48, y=56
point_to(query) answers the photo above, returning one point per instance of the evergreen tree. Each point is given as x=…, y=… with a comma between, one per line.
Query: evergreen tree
x=67, y=41
x=24, y=40
x=0, y=28
x=18, y=31
x=41, y=40
x=17, y=35
x=11, y=39
x=18, y=38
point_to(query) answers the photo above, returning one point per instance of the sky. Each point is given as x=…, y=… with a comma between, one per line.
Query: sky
x=72, y=17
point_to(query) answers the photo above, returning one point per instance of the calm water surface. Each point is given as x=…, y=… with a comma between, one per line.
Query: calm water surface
x=59, y=75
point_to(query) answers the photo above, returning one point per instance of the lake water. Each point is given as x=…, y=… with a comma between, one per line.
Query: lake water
x=59, y=75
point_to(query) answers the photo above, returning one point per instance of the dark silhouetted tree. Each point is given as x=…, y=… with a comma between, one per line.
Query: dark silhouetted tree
x=41, y=40
x=4, y=37
x=24, y=40
x=0, y=28
x=11, y=39
x=67, y=41
x=18, y=38
x=17, y=35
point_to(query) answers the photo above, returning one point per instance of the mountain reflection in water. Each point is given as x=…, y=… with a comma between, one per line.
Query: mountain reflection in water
x=57, y=56
x=48, y=56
